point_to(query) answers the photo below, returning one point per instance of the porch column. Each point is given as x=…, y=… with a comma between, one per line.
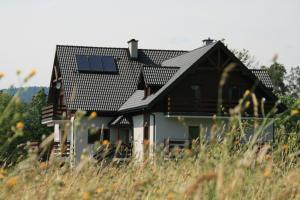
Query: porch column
x=152, y=132
x=138, y=137
x=57, y=135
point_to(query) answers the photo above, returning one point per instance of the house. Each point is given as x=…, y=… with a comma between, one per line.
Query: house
x=133, y=94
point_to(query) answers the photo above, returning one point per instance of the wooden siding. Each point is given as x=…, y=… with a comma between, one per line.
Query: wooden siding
x=206, y=76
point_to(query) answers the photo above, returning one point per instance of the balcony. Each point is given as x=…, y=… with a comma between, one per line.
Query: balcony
x=192, y=105
x=51, y=113
x=183, y=104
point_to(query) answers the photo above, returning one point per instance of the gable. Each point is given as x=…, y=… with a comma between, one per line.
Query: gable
x=205, y=75
x=213, y=57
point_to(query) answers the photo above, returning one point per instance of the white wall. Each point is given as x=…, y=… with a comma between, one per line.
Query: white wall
x=177, y=128
x=81, y=133
x=138, y=136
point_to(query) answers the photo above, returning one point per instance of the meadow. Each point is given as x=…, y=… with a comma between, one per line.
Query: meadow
x=214, y=168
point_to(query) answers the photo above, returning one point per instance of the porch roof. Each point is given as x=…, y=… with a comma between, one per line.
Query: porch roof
x=120, y=121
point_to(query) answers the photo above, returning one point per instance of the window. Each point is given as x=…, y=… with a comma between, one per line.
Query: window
x=196, y=91
x=234, y=93
x=146, y=133
x=194, y=132
x=95, y=135
x=106, y=134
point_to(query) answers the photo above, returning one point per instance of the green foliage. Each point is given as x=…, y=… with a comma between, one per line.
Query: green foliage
x=294, y=82
x=25, y=94
x=14, y=111
x=277, y=73
x=285, y=120
x=246, y=58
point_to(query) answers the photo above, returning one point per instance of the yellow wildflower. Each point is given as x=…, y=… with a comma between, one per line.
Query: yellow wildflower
x=11, y=182
x=267, y=173
x=32, y=72
x=1, y=75
x=86, y=196
x=99, y=190
x=247, y=93
x=294, y=112
x=105, y=142
x=170, y=196
x=20, y=125
x=146, y=142
x=285, y=147
x=2, y=173
x=247, y=104
x=93, y=115
x=44, y=165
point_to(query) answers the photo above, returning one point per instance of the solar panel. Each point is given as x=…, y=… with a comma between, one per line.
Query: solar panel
x=82, y=63
x=95, y=63
x=100, y=64
x=108, y=64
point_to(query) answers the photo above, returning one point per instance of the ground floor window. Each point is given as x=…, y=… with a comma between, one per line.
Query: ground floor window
x=194, y=132
x=94, y=135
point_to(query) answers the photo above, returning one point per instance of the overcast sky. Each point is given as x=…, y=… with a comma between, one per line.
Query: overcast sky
x=30, y=29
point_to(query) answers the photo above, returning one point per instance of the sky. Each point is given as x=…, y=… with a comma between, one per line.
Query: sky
x=31, y=29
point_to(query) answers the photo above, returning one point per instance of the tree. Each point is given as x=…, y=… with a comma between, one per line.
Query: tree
x=35, y=116
x=294, y=82
x=14, y=111
x=247, y=59
x=277, y=74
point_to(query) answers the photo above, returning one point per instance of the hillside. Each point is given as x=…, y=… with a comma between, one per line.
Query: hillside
x=27, y=93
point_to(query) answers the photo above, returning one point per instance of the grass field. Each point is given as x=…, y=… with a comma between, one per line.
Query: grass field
x=209, y=171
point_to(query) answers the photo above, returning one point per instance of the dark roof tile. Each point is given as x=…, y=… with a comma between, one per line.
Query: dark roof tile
x=104, y=92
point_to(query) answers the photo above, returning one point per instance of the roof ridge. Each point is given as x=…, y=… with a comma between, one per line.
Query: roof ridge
x=79, y=46
x=258, y=69
x=213, y=43
x=159, y=66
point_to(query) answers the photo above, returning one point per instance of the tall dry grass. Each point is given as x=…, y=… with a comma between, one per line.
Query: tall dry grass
x=212, y=169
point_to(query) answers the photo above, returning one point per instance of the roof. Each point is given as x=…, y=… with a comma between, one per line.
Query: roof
x=119, y=92
x=154, y=75
x=188, y=58
x=184, y=61
x=263, y=76
x=91, y=91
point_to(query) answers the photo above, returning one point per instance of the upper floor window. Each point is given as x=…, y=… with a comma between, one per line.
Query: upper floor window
x=196, y=91
x=234, y=93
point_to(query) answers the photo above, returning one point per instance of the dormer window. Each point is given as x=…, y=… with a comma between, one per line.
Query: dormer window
x=234, y=93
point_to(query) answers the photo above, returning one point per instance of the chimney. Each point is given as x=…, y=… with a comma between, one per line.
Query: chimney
x=133, y=48
x=207, y=41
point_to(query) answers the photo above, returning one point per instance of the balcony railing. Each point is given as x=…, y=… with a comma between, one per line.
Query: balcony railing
x=51, y=112
x=182, y=104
